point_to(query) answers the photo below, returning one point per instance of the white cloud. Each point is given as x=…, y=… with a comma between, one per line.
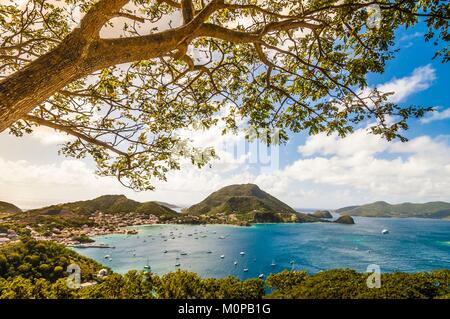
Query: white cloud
x=420, y=80
x=414, y=171
x=436, y=116
x=48, y=136
x=408, y=37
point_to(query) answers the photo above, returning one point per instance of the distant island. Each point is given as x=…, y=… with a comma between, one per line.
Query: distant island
x=436, y=210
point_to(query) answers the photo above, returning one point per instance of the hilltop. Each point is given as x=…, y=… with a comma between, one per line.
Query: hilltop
x=438, y=210
x=8, y=208
x=243, y=204
x=109, y=204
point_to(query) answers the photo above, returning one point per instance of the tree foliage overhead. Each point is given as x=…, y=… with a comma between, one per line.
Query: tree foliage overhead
x=123, y=77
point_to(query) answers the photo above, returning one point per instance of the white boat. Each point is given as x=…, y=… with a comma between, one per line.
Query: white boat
x=222, y=237
x=245, y=269
x=235, y=263
x=147, y=266
x=242, y=253
x=261, y=276
x=222, y=256
x=385, y=231
x=107, y=256
x=273, y=264
x=177, y=265
x=165, y=251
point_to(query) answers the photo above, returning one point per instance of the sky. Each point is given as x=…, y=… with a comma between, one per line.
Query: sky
x=308, y=172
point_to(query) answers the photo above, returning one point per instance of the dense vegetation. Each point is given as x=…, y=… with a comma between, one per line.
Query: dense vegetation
x=246, y=203
x=37, y=270
x=32, y=259
x=438, y=210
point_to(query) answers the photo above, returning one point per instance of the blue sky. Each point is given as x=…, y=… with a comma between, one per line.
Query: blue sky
x=414, y=52
x=315, y=172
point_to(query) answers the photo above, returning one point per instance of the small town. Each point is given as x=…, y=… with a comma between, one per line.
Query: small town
x=99, y=224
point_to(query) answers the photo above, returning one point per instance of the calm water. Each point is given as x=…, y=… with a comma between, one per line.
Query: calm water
x=412, y=245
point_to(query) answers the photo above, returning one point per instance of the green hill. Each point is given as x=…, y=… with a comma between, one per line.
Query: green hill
x=438, y=210
x=7, y=208
x=322, y=214
x=76, y=214
x=111, y=204
x=245, y=203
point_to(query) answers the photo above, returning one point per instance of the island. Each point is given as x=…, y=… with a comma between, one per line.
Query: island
x=436, y=210
x=245, y=204
x=345, y=219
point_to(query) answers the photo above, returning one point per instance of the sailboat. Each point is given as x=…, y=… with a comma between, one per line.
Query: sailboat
x=147, y=266
x=273, y=264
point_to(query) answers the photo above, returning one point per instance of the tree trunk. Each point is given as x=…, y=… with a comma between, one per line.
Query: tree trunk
x=22, y=91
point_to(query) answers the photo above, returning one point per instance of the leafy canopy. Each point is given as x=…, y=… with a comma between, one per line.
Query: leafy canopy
x=150, y=68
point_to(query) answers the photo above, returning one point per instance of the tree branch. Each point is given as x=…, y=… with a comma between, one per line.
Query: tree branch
x=187, y=8
x=99, y=15
x=69, y=131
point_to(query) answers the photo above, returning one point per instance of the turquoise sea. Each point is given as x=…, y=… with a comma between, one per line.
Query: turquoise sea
x=411, y=245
